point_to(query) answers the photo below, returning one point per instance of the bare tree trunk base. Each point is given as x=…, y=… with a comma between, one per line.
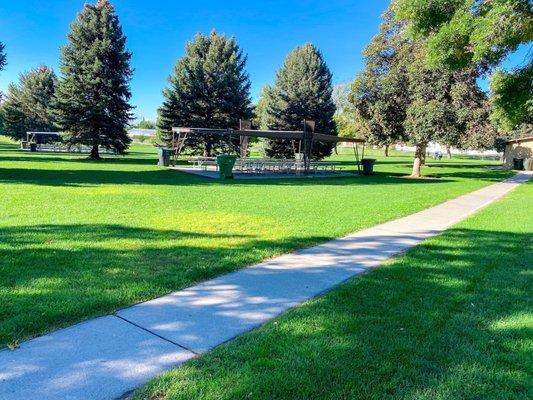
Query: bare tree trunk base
x=95, y=154
x=420, y=153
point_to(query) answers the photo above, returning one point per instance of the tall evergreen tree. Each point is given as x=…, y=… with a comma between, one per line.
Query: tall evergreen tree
x=27, y=105
x=302, y=90
x=3, y=58
x=92, y=99
x=208, y=88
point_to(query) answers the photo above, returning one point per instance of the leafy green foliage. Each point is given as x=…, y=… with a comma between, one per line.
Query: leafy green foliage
x=480, y=34
x=92, y=98
x=380, y=93
x=347, y=120
x=448, y=107
x=400, y=99
x=146, y=124
x=513, y=97
x=260, y=117
x=27, y=106
x=209, y=88
x=302, y=90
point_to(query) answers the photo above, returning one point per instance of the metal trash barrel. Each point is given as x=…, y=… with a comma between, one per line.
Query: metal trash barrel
x=368, y=166
x=33, y=147
x=518, y=164
x=164, y=157
x=225, y=164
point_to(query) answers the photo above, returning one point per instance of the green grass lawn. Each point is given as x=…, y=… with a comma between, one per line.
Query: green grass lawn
x=450, y=319
x=80, y=239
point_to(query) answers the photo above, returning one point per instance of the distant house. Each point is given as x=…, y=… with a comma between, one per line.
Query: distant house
x=519, y=149
x=136, y=132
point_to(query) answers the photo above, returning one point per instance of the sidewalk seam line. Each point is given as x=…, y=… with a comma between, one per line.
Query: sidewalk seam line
x=155, y=334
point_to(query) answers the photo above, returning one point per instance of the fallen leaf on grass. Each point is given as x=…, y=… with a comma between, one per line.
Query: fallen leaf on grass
x=13, y=345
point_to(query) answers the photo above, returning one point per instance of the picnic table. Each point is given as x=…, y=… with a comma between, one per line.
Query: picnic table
x=266, y=165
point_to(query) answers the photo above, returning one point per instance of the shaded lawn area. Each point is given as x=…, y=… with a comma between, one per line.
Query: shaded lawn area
x=80, y=239
x=450, y=319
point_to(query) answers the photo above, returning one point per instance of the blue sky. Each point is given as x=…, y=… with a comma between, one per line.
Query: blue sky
x=34, y=30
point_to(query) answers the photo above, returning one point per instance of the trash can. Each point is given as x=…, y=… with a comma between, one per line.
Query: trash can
x=518, y=163
x=164, y=157
x=33, y=147
x=368, y=166
x=225, y=164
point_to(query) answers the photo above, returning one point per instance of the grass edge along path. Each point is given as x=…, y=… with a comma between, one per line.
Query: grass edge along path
x=451, y=318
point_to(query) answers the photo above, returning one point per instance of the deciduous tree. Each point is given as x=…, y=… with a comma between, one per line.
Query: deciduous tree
x=480, y=34
x=380, y=93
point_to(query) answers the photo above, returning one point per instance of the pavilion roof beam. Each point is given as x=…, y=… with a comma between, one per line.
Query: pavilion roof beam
x=286, y=135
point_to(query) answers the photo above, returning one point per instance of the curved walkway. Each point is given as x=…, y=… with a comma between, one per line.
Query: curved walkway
x=106, y=357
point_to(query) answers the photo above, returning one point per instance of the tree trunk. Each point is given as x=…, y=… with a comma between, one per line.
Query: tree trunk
x=449, y=152
x=419, y=157
x=95, y=154
x=386, y=150
x=336, y=150
x=207, y=150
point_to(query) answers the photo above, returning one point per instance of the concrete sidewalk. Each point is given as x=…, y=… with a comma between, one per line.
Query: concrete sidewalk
x=109, y=356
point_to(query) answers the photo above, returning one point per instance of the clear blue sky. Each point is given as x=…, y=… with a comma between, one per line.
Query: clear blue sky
x=157, y=30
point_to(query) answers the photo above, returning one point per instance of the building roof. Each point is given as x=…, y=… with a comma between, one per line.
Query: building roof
x=520, y=140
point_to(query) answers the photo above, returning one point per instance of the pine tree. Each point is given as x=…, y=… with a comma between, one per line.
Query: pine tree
x=27, y=105
x=302, y=90
x=92, y=99
x=3, y=58
x=209, y=88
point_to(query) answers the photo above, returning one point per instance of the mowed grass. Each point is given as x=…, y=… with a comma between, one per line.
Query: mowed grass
x=450, y=319
x=80, y=239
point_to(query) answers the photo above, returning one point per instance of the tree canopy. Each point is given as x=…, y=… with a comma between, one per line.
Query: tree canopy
x=478, y=33
x=92, y=98
x=345, y=113
x=27, y=105
x=303, y=90
x=261, y=117
x=380, y=93
x=400, y=98
x=146, y=124
x=208, y=88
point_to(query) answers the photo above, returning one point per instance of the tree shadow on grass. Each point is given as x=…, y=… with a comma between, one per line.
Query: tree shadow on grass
x=55, y=275
x=130, y=159
x=88, y=177
x=448, y=320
